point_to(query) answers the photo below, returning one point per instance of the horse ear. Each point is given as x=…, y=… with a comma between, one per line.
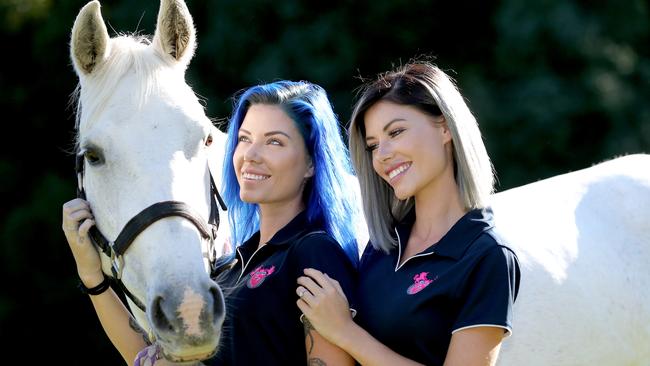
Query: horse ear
x=175, y=34
x=89, y=40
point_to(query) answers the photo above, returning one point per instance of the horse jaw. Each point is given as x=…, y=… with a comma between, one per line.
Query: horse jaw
x=216, y=156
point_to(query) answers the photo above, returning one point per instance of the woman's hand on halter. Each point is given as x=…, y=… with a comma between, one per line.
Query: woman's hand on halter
x=77, y=220
x=323, y=302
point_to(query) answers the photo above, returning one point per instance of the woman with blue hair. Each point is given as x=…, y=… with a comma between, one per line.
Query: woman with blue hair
x=284, y=182
x=325, y=196
x=289, y=209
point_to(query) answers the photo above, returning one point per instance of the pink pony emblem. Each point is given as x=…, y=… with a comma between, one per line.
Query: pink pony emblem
x=420, y=282
x=258, y=276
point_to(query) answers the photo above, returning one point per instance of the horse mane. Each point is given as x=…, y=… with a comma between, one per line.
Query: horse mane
x=126, y=52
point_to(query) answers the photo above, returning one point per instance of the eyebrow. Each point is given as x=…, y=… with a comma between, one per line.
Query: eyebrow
x=387, y=126
x=85, y=146
x=270, y=133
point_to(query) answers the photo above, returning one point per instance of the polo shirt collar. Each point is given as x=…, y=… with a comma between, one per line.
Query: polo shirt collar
x=291, y=231
x=458, y=238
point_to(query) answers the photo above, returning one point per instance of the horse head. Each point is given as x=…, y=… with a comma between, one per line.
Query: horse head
x=145, y=139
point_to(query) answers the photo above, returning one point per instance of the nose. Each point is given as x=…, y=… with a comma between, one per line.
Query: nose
x=252, y=153
x=384, y=151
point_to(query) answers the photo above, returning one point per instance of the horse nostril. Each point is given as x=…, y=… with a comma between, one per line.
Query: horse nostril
x=218, y=302
x=160, y=320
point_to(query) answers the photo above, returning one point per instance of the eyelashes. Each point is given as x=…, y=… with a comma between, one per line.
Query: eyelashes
x=392, y=134
x=271, y=141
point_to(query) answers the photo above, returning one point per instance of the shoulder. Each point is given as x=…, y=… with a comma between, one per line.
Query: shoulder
x=494, y=259
x=316, y=243
x=370, y=255
x=320, y=251
x=488, y=257
x=315, y=238
x=491, y=245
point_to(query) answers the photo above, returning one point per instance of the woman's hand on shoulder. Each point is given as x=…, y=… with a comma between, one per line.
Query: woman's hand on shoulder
x=323, y=302
x=77, y=220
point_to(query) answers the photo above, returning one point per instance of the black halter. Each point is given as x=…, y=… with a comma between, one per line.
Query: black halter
x=144, y=219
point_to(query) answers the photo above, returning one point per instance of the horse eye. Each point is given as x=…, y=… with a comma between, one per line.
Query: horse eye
x=92, y=157
x=208, y=140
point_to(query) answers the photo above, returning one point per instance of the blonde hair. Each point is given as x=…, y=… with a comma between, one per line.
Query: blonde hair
x=426, y=87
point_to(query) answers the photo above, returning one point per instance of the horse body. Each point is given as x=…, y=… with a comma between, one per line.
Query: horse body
x=144, y=134
x=583, y=243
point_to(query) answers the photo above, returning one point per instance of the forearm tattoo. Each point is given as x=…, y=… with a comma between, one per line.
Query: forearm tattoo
x=311, y=361
x=138, y=329
x=308, y=328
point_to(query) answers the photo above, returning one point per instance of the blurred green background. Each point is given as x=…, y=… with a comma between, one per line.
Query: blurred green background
x=556, y=86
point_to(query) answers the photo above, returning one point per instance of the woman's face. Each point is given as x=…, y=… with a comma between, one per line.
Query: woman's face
x=408, y=147
x=270, y=160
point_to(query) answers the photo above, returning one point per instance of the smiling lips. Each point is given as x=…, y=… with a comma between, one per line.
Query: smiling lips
x=397, y=170
x=256, y=177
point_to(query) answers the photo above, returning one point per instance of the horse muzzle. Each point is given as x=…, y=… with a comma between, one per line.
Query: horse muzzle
x=187, y=324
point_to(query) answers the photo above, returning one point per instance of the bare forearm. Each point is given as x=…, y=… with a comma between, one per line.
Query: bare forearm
x=369, y=351
x=320, y=352
x=119, y=325
x=477, y=346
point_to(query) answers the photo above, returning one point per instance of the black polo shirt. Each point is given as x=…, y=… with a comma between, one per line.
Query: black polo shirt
x=467, y=279
x=262, y=325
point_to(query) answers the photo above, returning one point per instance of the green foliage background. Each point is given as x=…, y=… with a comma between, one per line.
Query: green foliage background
x=556, y=86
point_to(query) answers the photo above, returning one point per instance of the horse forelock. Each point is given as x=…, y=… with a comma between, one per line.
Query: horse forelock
x=127, y=53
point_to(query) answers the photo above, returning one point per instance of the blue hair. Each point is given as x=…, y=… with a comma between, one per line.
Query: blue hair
x=328, y=200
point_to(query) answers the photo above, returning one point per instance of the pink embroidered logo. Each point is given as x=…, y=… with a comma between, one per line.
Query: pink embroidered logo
x=421, y=281
x=258, y=276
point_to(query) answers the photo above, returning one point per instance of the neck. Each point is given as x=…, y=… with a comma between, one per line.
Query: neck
x=437, y=208
x=274, y=217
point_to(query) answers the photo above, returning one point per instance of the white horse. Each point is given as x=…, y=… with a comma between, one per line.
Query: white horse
x=583, y=242
x=144, y=137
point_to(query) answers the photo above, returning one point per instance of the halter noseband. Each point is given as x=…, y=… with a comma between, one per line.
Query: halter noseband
x=115, y=250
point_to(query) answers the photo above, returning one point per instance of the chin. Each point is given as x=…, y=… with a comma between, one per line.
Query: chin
x=402, y=195
x=248, y=198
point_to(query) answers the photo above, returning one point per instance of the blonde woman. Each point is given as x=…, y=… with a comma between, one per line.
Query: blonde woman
x=436, y=286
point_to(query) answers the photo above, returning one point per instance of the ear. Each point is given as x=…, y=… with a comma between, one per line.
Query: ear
x=89, y=40
x=175, y=34
x=444, y=129
x=310, y=169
